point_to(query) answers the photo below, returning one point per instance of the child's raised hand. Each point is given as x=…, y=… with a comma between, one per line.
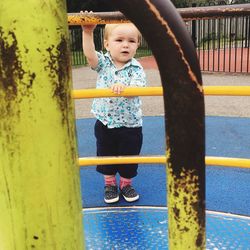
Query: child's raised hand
x=88, y=27
x=118, y=88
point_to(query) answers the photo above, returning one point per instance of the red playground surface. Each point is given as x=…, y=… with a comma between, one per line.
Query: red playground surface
x=224, y=60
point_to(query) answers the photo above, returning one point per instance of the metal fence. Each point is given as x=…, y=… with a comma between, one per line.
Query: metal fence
x=222, y=44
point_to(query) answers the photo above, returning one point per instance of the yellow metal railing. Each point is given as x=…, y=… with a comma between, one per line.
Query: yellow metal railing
x=161, y=159
x=158, y=91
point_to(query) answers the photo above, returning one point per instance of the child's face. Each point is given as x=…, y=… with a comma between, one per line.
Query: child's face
x=122, y=43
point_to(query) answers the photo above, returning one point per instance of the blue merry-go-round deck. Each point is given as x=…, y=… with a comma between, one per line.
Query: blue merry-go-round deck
x=147, y=228
x=144, y=226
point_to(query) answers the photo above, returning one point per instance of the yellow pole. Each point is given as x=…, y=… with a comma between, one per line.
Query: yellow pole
x=39, y=182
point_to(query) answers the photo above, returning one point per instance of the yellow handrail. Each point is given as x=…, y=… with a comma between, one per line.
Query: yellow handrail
x=161, y=159
x=158, y=91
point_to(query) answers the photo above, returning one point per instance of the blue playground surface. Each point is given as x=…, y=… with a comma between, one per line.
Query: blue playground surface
x=227, y=189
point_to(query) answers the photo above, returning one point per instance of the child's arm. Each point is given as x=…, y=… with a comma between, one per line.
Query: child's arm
x=88, y=45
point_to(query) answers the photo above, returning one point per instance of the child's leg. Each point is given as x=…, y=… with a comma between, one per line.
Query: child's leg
x=106, y=147
x=130, y=142
x=124, y=182
x=110, y=180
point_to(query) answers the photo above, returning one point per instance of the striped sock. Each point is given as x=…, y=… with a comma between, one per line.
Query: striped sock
x=110, y=180
x=124, y=182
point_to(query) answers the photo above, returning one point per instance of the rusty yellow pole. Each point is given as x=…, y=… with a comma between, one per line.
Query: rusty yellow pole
x=39, y=182
x=167, y=36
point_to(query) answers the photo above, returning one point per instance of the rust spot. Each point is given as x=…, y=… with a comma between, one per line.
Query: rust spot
x=15, y=84
x=195, y=193
x=58, y=68
x=185, y=229
x=10, y=66
x=13, y=78
x=185, y=200
x=195, y=206
x=176, y=212
x=199, y=241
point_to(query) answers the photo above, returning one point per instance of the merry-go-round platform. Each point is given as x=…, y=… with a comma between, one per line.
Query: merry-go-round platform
x=144, y=223
x=147, y=228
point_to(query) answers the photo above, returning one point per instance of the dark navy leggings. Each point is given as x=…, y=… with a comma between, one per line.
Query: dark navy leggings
x=118, y=141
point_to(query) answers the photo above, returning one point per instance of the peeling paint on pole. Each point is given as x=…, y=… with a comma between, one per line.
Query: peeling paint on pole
x=39, y=180
x=175, y=54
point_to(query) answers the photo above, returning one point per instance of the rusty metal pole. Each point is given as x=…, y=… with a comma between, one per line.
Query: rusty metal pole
x=174, y=51
x=39, y=176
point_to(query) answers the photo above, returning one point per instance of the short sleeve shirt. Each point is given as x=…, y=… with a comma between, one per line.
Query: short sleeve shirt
x=118, y=112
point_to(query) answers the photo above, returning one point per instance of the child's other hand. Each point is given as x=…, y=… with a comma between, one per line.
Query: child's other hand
x=88, y=27
x=118, y=88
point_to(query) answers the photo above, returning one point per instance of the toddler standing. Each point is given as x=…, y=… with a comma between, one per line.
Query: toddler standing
x=118, y=129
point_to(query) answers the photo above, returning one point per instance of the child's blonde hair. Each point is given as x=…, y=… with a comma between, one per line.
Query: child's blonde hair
x=110, y=27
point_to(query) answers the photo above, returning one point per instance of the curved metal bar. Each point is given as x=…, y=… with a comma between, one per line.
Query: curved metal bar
x=215, y=11
x=186, y=13
x=166, y=34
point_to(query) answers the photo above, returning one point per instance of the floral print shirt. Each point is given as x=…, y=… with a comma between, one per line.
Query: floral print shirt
x=118, y=112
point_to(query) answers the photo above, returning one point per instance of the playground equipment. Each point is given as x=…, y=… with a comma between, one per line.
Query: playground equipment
x=186, y=14
x=39, y=178
x=158, y=91
x=39, y=183
x=111, y=216
x=185, y=136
